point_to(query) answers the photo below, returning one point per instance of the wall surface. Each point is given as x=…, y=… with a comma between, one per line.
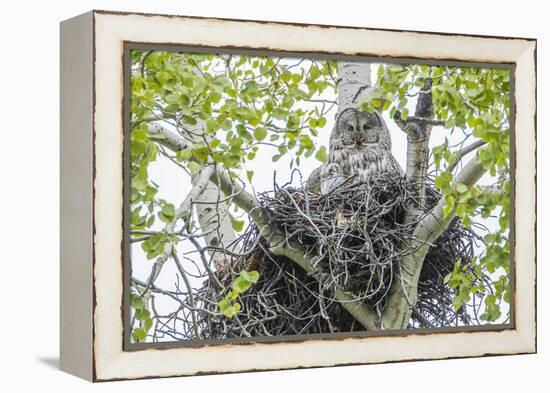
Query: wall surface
x=29, y=194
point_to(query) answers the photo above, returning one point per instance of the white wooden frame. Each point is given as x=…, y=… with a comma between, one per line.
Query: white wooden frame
x=92, y=48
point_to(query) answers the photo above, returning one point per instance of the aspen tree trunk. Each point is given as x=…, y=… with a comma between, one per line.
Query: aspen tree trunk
x=212, y=212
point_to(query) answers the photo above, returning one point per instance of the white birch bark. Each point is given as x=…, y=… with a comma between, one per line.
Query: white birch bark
x=354, y=84
x=212, y=215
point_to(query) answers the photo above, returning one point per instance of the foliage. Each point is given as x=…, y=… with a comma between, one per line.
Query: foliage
x=228, y=107
x=229, y=306
x=476, y=102
x=141, y=314
x=245, y=103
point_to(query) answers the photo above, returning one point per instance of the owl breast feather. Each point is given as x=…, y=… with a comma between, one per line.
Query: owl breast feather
x=365, y=162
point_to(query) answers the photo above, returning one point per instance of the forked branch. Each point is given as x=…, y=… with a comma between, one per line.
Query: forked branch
x=279, y=245
x=404, y=294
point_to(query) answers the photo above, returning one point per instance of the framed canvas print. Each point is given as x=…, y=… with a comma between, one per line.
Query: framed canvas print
x=243, y=195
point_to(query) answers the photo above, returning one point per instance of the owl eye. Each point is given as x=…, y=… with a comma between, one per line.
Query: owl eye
x=365, y=127
x=350, y=128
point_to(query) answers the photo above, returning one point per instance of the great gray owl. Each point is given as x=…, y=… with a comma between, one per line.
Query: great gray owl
x=360, y=146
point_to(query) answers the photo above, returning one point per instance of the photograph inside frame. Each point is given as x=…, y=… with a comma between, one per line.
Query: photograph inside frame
x=278, y=196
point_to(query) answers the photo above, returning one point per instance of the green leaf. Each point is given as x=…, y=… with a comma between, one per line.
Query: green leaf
x=461, y=188
x=492, y=309
x=449, y=205
x=285, y=77
x=457, y=303
x=260, y=133
x=223, y=305
x=460, y=210
x=240, y=285
x=184, y=155
x=167, y=213
x=322, y=154
x=314, y=72
x=168, y=210
x=139, y=334
x=238, y=225
x=250, y=276
x=142, y=314
x=147, y=324
x=154, y=245
x=506, y=296
x=139, y=182
x=194, y=167
x=228, y=309
x=443, y=181
x=136, y=301
x=139, y=135
x=293, y=122
x=214, y=97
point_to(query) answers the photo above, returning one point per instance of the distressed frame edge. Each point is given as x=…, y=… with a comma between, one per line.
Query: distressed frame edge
x=528, y=339
x=76, y=196
x=305, y=24
x=129, y=346
x=525, y=290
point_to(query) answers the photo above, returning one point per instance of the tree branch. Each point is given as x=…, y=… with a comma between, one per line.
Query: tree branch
x=425, y=120
x=167, y=138
x=465, y=151
x=418, y=140
x=184, y=208
x=278, y=243
x=403, y=297
x=409, y=128
x=433, y=225
x=190, y=292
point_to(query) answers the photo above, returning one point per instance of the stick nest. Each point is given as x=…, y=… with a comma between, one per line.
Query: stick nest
x=356, y=236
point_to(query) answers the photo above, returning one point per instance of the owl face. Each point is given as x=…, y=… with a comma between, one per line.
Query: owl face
x=360, y=131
